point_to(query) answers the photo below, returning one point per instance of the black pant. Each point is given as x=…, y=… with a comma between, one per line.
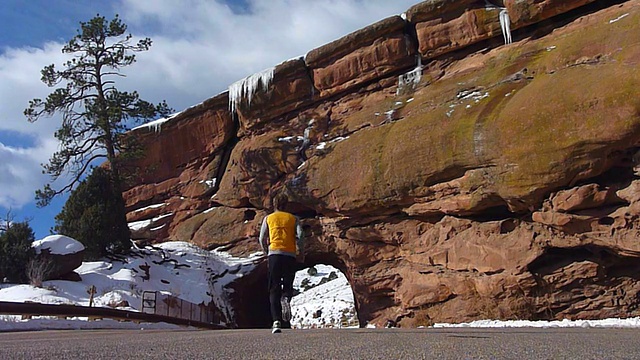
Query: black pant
x=282, y=270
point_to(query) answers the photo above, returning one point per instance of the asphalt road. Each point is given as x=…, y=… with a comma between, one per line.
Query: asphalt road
x=590, y=343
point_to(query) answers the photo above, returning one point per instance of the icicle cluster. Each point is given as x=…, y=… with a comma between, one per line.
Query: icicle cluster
x=247, y=87
x=412, y=78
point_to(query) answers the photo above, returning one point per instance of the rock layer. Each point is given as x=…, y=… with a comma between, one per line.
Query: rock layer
x=493, y=182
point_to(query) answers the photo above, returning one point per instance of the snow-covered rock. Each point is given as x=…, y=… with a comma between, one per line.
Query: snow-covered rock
x=57, y=256
x=58, y=244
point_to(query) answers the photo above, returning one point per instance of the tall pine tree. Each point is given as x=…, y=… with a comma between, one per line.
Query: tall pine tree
x=95, y=114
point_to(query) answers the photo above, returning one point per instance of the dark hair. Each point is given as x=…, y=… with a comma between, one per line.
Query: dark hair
x=280, y=201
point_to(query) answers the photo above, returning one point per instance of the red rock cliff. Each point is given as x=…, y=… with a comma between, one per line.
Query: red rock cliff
x=494, y=181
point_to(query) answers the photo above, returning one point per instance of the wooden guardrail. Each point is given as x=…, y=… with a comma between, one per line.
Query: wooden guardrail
x=36, y=309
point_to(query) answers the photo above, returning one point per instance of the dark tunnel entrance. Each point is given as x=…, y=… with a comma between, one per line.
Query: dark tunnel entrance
x=323, y=298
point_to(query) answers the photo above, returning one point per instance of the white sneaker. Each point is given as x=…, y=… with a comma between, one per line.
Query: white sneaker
x=276, y=328
x=286, y=308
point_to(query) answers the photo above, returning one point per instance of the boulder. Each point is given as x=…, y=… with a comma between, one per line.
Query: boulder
x=57, y=256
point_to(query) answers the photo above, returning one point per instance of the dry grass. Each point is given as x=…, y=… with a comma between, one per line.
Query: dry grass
x=37, y=270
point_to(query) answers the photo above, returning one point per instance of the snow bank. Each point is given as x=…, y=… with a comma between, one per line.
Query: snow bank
x=325, y=299
x=175, y=268
x=607, y=323
x=58, y=244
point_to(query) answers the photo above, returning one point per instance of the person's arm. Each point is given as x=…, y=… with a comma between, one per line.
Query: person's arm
x=299, y=239
x=264, y=236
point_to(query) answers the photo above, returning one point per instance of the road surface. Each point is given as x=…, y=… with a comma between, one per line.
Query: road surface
x=589, y=343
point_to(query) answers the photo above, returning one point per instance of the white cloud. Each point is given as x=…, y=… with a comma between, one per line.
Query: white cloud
x=20, y=172
x=200, y=47
x=20, y=82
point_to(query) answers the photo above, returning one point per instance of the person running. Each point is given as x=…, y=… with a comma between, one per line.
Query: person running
x=281, y=238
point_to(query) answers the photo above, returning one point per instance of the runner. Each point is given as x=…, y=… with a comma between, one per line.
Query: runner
x=281, y=237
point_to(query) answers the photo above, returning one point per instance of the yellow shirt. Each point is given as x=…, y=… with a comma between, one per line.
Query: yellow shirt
x=284, y=232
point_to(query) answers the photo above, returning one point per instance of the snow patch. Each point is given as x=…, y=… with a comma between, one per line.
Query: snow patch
x=158, y=228
x=606, y=323
x=137, y=225
x=154, y=206
x=210, y=210
x=210, y=183
x=618, y=18
x=474, y=95
x=58, y=244
x=339, y=138
x=323, y=145
x=156, y=125
x=290, y=139
x=411, y=79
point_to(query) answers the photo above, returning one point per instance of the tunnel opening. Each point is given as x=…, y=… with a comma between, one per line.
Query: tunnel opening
x=322, y=298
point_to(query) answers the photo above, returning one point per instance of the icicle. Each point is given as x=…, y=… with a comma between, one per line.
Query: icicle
x=505, y=21
x=412, y=78
x=247, y=87
x=505, y=24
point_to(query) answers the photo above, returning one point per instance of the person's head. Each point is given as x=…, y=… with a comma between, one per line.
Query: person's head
x=280, y=202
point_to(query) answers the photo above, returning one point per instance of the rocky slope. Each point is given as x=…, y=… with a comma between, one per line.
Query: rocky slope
x=450, y=177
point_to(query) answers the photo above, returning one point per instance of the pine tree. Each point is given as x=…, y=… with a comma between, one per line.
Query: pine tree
x=94, y=215
x=95, y=114
x=16, y=251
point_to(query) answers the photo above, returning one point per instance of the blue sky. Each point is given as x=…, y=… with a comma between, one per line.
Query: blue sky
x=200, y=47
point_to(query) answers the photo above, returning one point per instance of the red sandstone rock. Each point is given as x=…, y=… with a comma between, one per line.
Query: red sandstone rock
x=450, y=32
x=523, y=13
x=584, y=197
x=290, y=89
x=223, y=226
x=460, y=204
x=433, y=9
x=203, y=128
x=257, y=165
x=365, y=55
